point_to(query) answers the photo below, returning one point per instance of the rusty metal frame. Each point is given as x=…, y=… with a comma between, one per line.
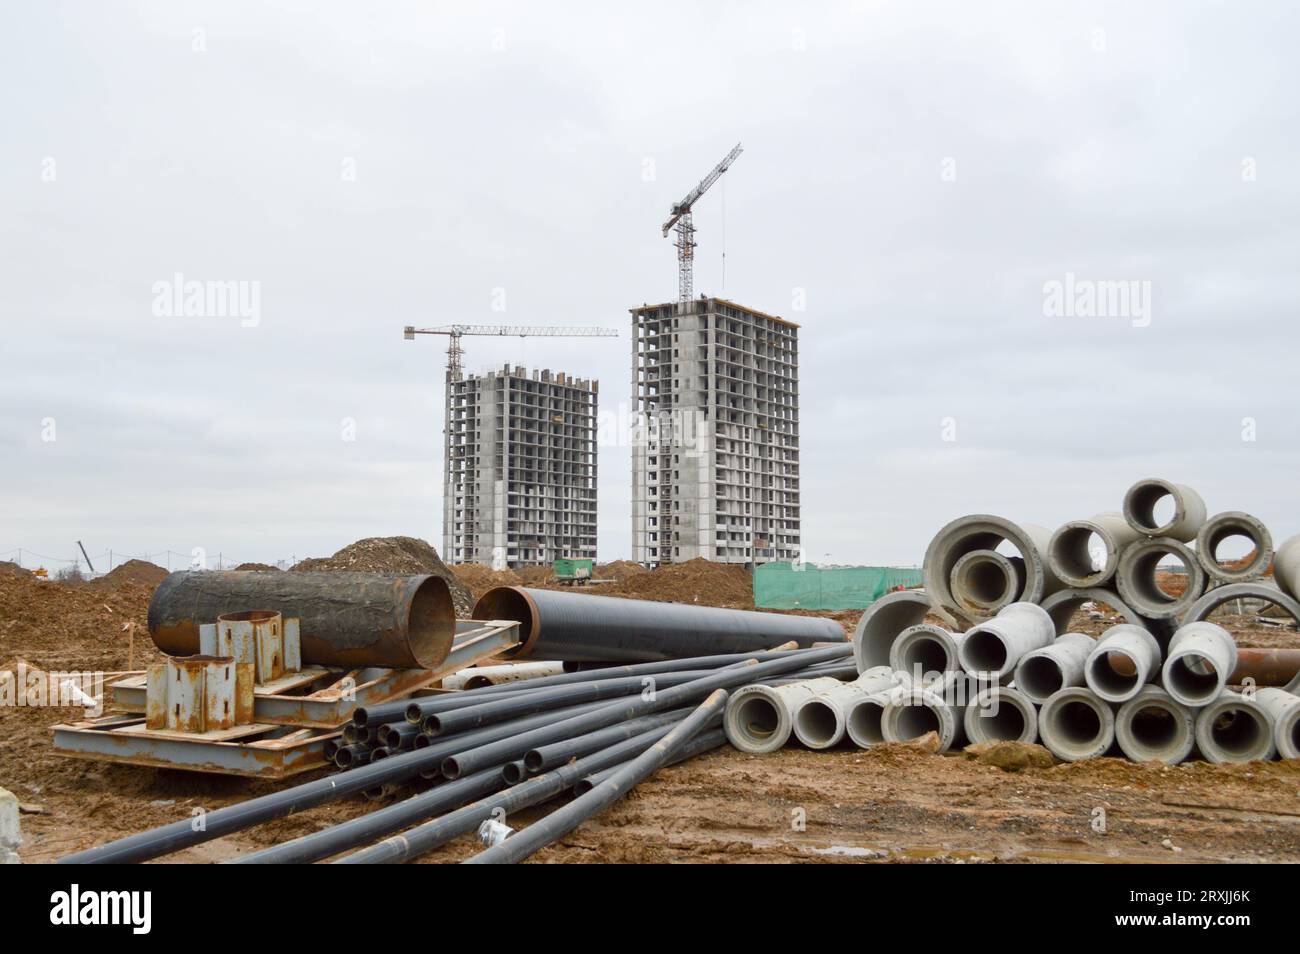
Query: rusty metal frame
x=255, y=751
x=333, y=694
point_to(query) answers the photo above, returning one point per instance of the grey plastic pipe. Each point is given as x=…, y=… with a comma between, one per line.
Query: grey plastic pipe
x=1000, y=714
x=1071, y=560
x=1076, y=724
x=1284, y=707
x=1140, y=506
x=1202, y=655
x=1153, y=726
x=924, y=650
x=881, y=623
x=819, y=720
x=757, y=719
x=1054, y=667
x=1125, y=659
x=995, y=646
x=1235, y=728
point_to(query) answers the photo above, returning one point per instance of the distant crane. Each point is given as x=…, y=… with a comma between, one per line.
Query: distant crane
x=680, y=220
x=456, y=354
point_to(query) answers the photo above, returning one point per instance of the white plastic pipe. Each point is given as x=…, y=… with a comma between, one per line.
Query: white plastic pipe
x=1054, y=667
x=757, y=719
x=1075, y=724
x=1284, y=707
x=1153, y=726
x=1235, y=728
x=1125, y=659
x=992, y=648
x=1001, y=714
x=820, y=720
x=1202, y=655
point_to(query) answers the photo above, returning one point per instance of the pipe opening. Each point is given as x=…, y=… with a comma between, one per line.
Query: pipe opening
x=1155, y=726
x=1040, y=676
x=1114, y=672
x=1008, y=722
x=864, y=723
x=431, y=625
x=817, y=723
x=928, y=653
x=1239, y=732
x=756, y=717
x=512, y=773
x=1295, y=734
x=1192, y=676
x=1156, y=583
x=1231, y=558
x=510, y=602
x=533, y=761
x=983, y=651
x=912, y=722
x=1076, y=549
x=1153, y=507
x=986, y=581
x=1076, y=722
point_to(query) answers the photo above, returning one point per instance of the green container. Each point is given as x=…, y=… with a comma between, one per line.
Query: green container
x=570, y=569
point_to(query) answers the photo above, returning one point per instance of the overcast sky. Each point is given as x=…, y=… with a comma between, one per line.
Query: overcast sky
x=917, y=173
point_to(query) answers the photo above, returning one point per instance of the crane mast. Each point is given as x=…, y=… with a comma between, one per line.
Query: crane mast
x=680, y=221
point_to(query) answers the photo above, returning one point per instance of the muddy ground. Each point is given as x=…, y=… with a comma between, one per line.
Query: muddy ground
x=894, y=803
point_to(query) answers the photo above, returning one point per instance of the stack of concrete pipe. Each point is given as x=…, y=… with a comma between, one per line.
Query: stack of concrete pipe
x=1164, y=684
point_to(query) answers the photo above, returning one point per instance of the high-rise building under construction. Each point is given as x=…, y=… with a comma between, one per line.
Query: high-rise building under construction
x=715, y=456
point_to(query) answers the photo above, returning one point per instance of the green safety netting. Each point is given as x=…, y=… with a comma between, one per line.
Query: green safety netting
x=804, y=586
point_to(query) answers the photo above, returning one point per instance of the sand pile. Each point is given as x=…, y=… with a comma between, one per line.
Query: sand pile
x=132, y=571
x=401, y=555
x=480, y=578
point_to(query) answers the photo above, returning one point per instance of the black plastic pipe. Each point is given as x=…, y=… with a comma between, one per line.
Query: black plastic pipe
x=398, y=735
x=704, y=742
x=431, y=834
x=497, y=710
x=566, y=818
x=575, y=626
x=466, y=762
x=224, y=821
x=557, y=753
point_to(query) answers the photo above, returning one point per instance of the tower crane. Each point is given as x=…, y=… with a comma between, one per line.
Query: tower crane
x=680, y=220
x=456, y=354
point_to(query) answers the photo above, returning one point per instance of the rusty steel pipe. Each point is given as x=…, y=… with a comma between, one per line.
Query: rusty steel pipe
x=1268, y=667
x=346, y=619
x=582, y=628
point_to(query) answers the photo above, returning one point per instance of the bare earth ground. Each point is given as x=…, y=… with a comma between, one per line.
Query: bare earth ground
x=896, y=803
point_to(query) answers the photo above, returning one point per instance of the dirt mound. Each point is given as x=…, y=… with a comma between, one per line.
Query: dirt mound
x=695, y=581
x=57, y=626
x=401, y=555
x=257, y=568
x=9, y=568
x=132, y=571
x=480, y=578
x=535, y=575
x=619, y=570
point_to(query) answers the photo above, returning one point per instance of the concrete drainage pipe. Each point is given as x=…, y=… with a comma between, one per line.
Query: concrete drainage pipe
x=1125, y=659
x=1000, y=714
x=1221, y=527
x=1284, y=707
x=757, y=718
x=1057, y=666
x=864, y=716
x=1202, y=655
x=911, y=713
x=925, y=649
x=1139, y=584
x=1286, y=567
x=1235, y=728
x=1153, y=726
x=1222, y=595
x=883, y=621
x=1069, y=552
x=820, y=720
x=1075, y=724
x=1140, y=509
x=993, y=648
x=986, y=532
x=1063, y=604
x=984, y=581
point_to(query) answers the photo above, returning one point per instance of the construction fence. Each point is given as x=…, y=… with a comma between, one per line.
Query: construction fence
x=804, y=586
